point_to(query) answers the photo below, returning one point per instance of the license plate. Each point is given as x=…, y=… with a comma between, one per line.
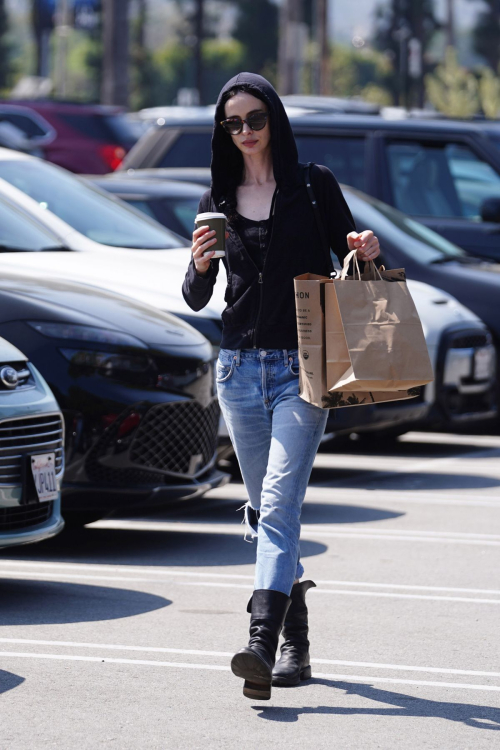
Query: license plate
x=44, y=475
x=484, y=363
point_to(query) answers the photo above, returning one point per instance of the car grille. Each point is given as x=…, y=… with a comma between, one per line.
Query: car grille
x=27, y=436
x=24, y=516
x=178, y=438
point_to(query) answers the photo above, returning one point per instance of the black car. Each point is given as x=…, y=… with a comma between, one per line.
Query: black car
x=171, y=202
x=135, y=387
x=443, y=172
x=430, y=258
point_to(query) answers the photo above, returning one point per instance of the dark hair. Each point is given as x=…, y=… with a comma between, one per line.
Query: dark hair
x=230, y=202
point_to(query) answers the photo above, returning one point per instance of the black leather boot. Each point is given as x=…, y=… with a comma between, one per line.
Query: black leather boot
x=293, y=665
x=255, y=662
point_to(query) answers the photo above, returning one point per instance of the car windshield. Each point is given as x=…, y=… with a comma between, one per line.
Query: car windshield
x=90, y=211
x=390, y=225
x=18, y=233
x=184, y=210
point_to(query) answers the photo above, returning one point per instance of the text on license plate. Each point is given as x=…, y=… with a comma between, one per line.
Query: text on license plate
x=44, y=475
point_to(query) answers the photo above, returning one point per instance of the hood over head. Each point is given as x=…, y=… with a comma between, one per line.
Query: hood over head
x=227, y=160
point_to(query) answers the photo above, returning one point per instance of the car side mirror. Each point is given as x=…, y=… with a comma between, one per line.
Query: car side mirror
x=490, y=210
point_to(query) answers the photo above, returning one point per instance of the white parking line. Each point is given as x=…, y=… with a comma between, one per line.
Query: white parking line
x=225, y=654
x=62, y=567
x=22, y=575
x=329, y=494
x=216, y=667
x=346, y=592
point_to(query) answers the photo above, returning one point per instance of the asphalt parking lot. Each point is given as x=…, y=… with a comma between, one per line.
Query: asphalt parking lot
x=120, y=635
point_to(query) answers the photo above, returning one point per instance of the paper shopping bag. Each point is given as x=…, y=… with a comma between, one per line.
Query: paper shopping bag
x=373, y=334
x=310, y=293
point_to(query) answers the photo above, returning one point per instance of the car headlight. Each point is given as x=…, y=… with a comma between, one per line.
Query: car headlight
x=132, y=368
x=90, y=334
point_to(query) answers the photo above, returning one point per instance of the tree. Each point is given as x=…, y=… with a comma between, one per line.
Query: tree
x=143, y=73
x=489, y=93
x=257, y=30
x=452, y=89
x=5, y=49
x=486, y=34
x=396, y=23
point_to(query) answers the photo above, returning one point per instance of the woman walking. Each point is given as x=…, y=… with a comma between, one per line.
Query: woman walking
x=258, y=183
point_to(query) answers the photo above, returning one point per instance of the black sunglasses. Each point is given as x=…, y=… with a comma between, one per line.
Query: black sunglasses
x=255, y=121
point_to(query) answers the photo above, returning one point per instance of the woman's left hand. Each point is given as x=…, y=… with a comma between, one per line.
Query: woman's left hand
x=365, y=243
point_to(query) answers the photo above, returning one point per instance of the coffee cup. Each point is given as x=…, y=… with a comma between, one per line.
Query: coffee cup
x=218, y=223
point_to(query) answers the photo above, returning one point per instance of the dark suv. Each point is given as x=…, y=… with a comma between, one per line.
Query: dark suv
x=443, y=172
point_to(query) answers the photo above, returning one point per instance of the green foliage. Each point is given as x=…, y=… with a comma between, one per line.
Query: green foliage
x=257, y=31
x=355, y=72
x=489, y=93
x=376, y=95
x=173, y=65
x=453, y=90
x=5, y=49
x=172, y=68
x=222, y=59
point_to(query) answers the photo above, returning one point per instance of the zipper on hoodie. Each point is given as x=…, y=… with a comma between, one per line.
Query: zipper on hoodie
x=261, y=273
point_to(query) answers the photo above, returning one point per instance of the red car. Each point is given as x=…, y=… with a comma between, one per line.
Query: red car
x=84, y=138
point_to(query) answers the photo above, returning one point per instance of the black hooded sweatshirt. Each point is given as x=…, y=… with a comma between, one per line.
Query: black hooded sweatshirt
x=260, y=311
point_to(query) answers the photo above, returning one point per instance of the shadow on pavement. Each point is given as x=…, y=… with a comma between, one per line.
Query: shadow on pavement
x=136, y=547
x=374, y=446
x=9, y=681
x=406, y=480
x=479, y=717
x=311, y=513
x=26, y=602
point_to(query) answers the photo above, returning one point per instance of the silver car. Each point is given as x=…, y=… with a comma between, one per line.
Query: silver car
x=31, y=452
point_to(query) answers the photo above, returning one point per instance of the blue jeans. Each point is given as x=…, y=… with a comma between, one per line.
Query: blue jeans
x=275, y=435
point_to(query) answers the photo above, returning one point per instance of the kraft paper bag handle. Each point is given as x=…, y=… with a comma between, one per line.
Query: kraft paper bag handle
x=370, y=267
x=350, y=256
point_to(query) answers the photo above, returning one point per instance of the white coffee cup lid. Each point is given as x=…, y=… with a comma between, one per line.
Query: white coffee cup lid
x=209, y=215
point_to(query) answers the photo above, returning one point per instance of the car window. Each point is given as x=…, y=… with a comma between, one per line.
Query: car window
x=19, y=232
x=440, y=179
x=344, y=156
x=391, y=226
x=189, y=150
x=26, y=124
x=141, y=205
x=185, y=210
x=88, y=210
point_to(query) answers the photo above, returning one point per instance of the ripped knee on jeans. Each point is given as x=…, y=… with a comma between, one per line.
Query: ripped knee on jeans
x=251, y=521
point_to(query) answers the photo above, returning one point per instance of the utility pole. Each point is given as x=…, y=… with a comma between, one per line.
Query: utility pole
x=322, y=46
x=450, y=23
x=198, y=49
x=63, y=30
x=115, y=78
x=292, y=41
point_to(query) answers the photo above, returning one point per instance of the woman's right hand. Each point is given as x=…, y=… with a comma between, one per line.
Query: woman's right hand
x=203, y=239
